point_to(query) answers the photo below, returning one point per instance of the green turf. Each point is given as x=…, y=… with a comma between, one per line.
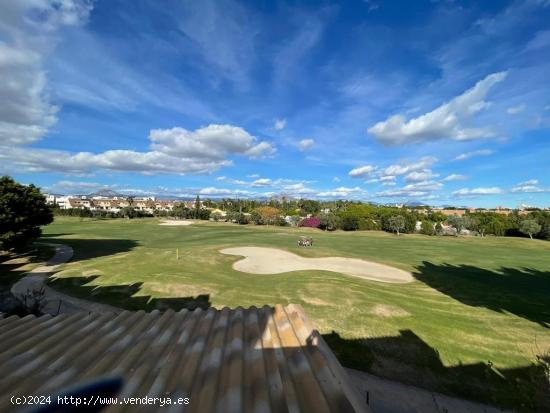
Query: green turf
x=471, y=325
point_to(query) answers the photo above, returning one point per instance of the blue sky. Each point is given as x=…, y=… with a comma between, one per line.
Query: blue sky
x=446, y=102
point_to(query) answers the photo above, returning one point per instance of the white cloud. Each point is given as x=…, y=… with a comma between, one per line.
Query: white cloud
x=279, y=124
x=468, y=155
x=471, y=193
x=402, y=193
x=530, y=186
x=454, y=177
x=216, y=192
x=448, y=121
x=77, y=187
x=342, y=192
x=306, y=144
x=424, y=186
x=28, y=31
x=402, y=169
x=175, y=150
x=253, y=176
x=262, y=182
x=514, y=110
x=422, y=189
x=210, y=142
x=361, y=171
x=387, y=180
x=423, y=175
x=335, y=179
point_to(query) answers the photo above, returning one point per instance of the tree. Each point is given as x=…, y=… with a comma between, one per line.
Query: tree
x=328, y=222
x=197, y=213
x=268, y=215
x=180, y=211
x=23, y=210
x=529, y=227
x=396, y=223
x=310, y=207
x=457, y=222
x=483, y=224
x=128, y=212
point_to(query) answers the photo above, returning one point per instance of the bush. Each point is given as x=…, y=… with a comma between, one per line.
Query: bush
x=295, y=220
x=427, y=228
x=312, y=222
x=350, y=223
x=216, y=216
x=329, y=222
x=255, y=217
x=368, y=224
x=242, y=219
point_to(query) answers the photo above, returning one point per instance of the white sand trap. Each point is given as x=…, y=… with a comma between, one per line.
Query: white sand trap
x=260, y=260
x=174, y=222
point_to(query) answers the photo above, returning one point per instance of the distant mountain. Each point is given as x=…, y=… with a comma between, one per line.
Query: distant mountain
x=416, y=204
x=107, y=193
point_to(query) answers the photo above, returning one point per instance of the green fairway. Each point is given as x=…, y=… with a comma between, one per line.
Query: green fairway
x=471, y=324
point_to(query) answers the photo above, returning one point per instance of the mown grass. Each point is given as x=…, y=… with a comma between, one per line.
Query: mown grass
x=471, y=325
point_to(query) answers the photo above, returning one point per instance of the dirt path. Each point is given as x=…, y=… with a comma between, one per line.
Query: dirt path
x=56, y=302
x=259, y=260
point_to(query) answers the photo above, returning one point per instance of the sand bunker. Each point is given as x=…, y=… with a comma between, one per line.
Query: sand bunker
x=174, y=222
x=260, y=260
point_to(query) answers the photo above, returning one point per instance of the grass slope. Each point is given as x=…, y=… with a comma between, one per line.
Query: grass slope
x=471, y=325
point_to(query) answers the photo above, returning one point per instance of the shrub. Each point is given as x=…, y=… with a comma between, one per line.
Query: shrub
x=368, y=224
x=328, y=222
x=242, y=219
x=312, y=222
x=295, y=220
x=427, y=228
x=350, y=223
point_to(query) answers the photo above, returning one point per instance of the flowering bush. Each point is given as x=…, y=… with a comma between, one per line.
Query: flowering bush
x=312, y=222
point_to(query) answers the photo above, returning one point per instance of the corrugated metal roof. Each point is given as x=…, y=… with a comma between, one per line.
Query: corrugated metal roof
x=231, y=360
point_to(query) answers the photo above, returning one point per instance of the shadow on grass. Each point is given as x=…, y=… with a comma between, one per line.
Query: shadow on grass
x=125, y=295
x=85, y=249
x=11, y=264
x=408, y=359
x=524, y=292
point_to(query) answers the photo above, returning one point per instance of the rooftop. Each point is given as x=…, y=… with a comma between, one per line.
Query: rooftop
x=267, y=359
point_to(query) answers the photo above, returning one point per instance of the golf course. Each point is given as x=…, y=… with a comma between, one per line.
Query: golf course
x=470, y=322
